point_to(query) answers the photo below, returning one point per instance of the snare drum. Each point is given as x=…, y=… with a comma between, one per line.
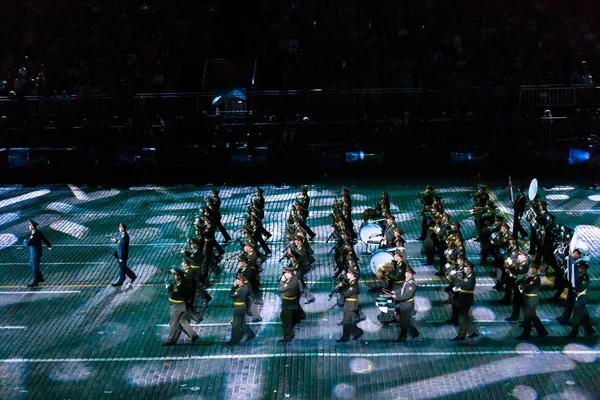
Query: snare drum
x=370, y=232
x=381, y=256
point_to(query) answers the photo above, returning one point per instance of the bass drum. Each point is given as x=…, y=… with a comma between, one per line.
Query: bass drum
x=383, y=256
x=370, y=232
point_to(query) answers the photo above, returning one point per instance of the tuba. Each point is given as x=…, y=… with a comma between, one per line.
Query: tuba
x=450, y=241
x=383, y=271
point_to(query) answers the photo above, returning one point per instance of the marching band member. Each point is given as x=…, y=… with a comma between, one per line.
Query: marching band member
x=581, y=317
x=519, y=205
x=304, y=199
x=388, y=234
x=250, y=274
x=530, y=285
x=455, y=272
x=466, y=288
x=177, y=309
x=239, y=328
x=564, y=318
x=426, y=198
x=215, y=214
x=404, y=299
x=259, y=203
x=383, y=207
x=289, y=287
x=349, y=290
x=515, y=269
x=480, y=199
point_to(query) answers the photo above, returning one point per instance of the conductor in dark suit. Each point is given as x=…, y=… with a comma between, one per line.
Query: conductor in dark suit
x=35, y=252
x=122, y=254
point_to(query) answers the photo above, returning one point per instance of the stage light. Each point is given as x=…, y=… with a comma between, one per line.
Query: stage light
x=361, y=365
x=580, y=353
x=8, y=218
x=522, y=392
x=557, y=197
x=23, y=197
x=70, y=228
x=458, y=158
x=578, y=156
x=344, y=391
x=162, y=219
x=7, y=239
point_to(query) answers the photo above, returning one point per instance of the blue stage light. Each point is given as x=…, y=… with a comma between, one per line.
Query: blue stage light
x=578, y=156
x=457, y=158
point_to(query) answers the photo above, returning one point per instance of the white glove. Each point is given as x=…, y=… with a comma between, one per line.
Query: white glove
x=448, y=266
x=446, y=252
x=456, y=289
x=453, y=272
x=120, y=260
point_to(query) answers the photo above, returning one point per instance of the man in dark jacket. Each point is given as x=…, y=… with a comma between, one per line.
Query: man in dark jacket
x=35, y=252
x=122, y=254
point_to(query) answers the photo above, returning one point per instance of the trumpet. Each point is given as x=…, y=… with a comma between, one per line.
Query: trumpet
x=421, y=194
x=476, y=210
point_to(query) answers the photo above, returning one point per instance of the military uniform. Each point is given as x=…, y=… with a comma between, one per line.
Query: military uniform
x=200, y=277
x=178, y=320
x=581, y=317
x=209, y=261
x=259, y=203
x=514, y=271
x=388, y=234
x=35, y=253
x=519, y=209
x=215, y=215
x=405, y=305
x=290, y=306
x=350, y=291
x=531, y=288
x=239, y=327
x=466, y=300
x=250, y=274
x=189, y=281
x=427, y=200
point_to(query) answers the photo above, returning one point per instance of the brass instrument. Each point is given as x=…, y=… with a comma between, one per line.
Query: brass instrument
x=383, y=271
x=450, y=241
x=421, y=194
x=477, y=210
x=426, y=210
x=473, y=195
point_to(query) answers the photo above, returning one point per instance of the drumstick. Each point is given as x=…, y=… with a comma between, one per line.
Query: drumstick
x=387, y=291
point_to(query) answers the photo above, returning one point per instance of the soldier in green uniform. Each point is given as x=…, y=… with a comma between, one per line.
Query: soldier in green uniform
x=259, y=203
x=466, y=300
x=455, y=274
x=404, y=298
x=388, y=239
x=239, y=328
x=250, y=274
x=581, y=317
x=349, y=290
x=515, y=268
x=178, y=312
x=196, y=258
x=289, y=287
x=190, y=282
x=304, y=199
x=426, y=198
x=530, y=286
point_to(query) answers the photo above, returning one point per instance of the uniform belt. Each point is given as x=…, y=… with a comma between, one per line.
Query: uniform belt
x=398, y=281
x=467, y=291
x=175, y=301
x=406, y=301
x=582, y=293
x=289, y=298
x=531, y=294
x=350, y=299
x=196, y=266
x=239, y=303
